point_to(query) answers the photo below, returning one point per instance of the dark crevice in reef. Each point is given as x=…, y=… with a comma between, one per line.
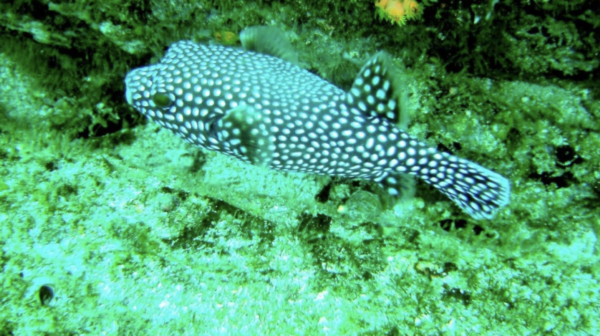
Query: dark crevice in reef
x=323, y=195
x=562, y=181
x=567, y=157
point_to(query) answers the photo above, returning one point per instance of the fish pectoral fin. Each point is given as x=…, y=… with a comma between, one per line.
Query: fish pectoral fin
x=244, y=129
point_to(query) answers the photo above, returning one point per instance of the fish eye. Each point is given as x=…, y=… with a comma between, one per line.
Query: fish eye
x=161, y=99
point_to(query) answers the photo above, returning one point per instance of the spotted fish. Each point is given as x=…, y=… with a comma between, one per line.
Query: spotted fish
x=268, y=111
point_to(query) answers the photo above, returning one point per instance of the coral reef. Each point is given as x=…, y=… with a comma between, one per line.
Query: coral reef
x=398, y=12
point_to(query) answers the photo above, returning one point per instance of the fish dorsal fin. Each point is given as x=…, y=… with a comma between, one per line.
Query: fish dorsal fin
x=379, y=92
x=270, y=41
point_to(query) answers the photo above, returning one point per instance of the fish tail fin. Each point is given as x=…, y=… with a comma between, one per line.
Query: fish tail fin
x=480, y=192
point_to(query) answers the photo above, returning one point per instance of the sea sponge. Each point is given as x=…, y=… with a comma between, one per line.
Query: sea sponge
x=398, y=11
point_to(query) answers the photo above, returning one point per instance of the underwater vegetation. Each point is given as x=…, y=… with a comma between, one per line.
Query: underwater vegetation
x=111, y=224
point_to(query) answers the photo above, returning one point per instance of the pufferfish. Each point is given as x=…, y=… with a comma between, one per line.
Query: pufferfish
x=262, y=108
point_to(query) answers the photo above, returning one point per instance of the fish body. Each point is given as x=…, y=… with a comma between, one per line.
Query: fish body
x=267, y=111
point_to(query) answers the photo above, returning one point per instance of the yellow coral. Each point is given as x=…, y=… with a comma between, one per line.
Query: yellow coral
x=398, y=11
x=226, y=37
